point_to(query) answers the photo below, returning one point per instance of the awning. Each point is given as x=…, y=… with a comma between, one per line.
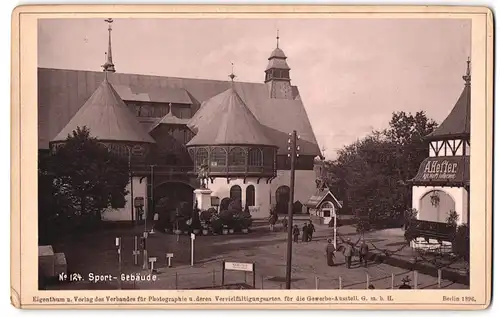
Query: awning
x=443, y=171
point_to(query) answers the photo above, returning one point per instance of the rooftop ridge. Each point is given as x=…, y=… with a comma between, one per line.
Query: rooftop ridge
x=151, y=75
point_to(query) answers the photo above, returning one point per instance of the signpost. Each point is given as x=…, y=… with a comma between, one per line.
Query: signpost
x=145, y=250
x=169, y=258
x=238, y=266
x=193, y=236
x=152, y=260
x=136, y=251
x=118, y=243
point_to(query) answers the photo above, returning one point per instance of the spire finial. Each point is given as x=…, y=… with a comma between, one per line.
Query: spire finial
x=277, y=38
x=232, y=76
x=467, y=73
x=104, y=66
x=108, y=65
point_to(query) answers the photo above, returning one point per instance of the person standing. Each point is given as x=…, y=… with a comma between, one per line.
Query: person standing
x=310, y=230
x=363, y=253
x=330, y=253
x=305, y=233
x=348, y=253
x=296, y=234
x=273, y=218
x=285, y=224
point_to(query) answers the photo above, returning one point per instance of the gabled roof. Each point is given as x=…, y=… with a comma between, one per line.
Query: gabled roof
x=457, y=123
x=169, y=118
x=62, y=92
x=277, y=52
x=228, y=121
x=317, y=199
x=160, y=95
x=277, y=116
x=277, y=60
x=278, y=63
x=107, y=117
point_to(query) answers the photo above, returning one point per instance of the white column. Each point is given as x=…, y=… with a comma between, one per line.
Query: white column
x=203, y=198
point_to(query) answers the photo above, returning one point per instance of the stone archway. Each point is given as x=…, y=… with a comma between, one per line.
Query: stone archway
x=435, y=206
x=282, y=199
x=169, y=195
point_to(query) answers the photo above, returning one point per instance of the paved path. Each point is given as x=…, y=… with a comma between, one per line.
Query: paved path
x=96, y=253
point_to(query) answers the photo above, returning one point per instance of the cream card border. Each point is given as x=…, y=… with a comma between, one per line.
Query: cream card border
x=24, y=153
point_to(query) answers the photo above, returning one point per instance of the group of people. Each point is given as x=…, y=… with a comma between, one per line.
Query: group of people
x=348, y=250
x=307, y=230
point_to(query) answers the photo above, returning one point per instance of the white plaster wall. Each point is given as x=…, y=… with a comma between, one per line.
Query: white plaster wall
x=458, y=194
x=124, y=214
x=465, y=205
x=305, y=185
x=221, y=189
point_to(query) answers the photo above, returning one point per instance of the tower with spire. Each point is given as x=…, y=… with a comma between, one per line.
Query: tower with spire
x=441, y=186
x=108, y=64
x=233, y=149
x=278, y=74
x=111, y=122
x=178, y=131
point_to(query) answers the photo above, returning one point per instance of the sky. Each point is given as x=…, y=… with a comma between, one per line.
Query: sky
x=352, y=74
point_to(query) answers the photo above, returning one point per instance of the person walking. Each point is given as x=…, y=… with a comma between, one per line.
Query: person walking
x=363, y=253
x=273, y=218
x=348, y=253
x=310, y=230
x=330, y=253
x=305, y=233
x=296, y=234
x=285, y=224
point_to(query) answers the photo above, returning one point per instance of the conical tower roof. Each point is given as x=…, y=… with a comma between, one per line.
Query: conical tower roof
x=457, y=123
x=107, y=118
x=231, y=123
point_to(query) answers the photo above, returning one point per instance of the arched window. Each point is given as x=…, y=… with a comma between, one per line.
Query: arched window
x=237, y=157
x=218, y=157
x=201, y=156
x=255, y=157
x=250, y=196
x=235, y=192
x=282, y=198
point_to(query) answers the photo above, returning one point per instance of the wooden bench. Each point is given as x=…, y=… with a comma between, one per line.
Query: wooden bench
x=46, y=260
x=60, y=265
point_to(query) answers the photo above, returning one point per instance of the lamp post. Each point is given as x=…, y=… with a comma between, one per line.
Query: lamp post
x=293, y=148
x=131, y=185
x=152, y=199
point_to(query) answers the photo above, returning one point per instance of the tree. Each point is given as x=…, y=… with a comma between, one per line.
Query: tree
x=369, y=175
x=89, y=175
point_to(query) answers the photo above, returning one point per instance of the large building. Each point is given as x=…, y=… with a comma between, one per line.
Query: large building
x=441, y=186
x=169, y=127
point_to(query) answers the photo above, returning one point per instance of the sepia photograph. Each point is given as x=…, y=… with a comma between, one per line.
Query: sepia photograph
x=327, y=152
x=168, y=150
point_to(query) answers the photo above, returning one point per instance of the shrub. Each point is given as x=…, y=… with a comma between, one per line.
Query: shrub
x=461, y=242
x=196, y=223
x=216, y=224
x=246, y=219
